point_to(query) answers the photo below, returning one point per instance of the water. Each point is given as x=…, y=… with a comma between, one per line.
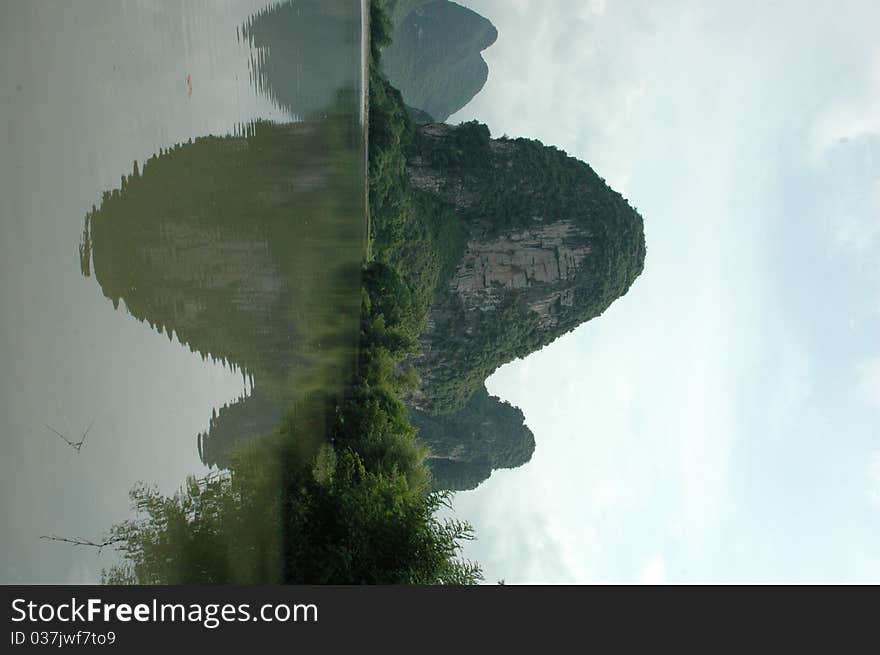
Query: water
x=182, y=220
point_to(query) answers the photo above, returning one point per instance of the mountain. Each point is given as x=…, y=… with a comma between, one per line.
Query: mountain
x=434, y=58
x=419, y=117
x=400, y=9
x=548, y=245
x=500, y=246
x=467, y=445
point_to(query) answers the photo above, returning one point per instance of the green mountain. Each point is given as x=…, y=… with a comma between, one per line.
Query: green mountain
x=499, y=247
x=467, y=445
x=434, y=58
x=544, y=245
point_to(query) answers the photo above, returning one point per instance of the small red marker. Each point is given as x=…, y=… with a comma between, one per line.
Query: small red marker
x=189, y=85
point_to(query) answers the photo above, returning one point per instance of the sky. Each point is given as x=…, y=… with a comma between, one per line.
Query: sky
x=721, y=422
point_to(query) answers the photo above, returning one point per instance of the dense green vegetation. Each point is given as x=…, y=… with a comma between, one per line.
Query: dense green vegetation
x=412, y=235
x=297, y=509
x=459, y=362
x=434, y=58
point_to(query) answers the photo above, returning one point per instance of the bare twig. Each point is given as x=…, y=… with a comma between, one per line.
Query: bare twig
x=76, y=541
x=66, y=440
x=79, y=444
x=76, y=445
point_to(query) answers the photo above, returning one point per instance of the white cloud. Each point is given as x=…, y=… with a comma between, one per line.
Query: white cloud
x=868, y=374
x=654, y=570
x=856, y=212
x=793, y=384
x=874, y=478
x=850, y=116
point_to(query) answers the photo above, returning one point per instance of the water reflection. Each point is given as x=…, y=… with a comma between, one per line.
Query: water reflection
x=294, y=62
x=248, y=249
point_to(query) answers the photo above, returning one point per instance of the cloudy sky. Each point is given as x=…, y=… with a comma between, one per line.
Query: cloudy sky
x=721, y=422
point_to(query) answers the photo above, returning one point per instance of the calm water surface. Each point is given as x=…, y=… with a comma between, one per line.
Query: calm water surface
x=181, y=229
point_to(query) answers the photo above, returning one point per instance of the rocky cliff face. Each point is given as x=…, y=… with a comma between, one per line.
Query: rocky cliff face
x=544, y=255
x=549, y=246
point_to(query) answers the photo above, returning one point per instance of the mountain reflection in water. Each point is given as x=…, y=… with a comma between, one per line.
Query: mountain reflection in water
x=248, y=248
